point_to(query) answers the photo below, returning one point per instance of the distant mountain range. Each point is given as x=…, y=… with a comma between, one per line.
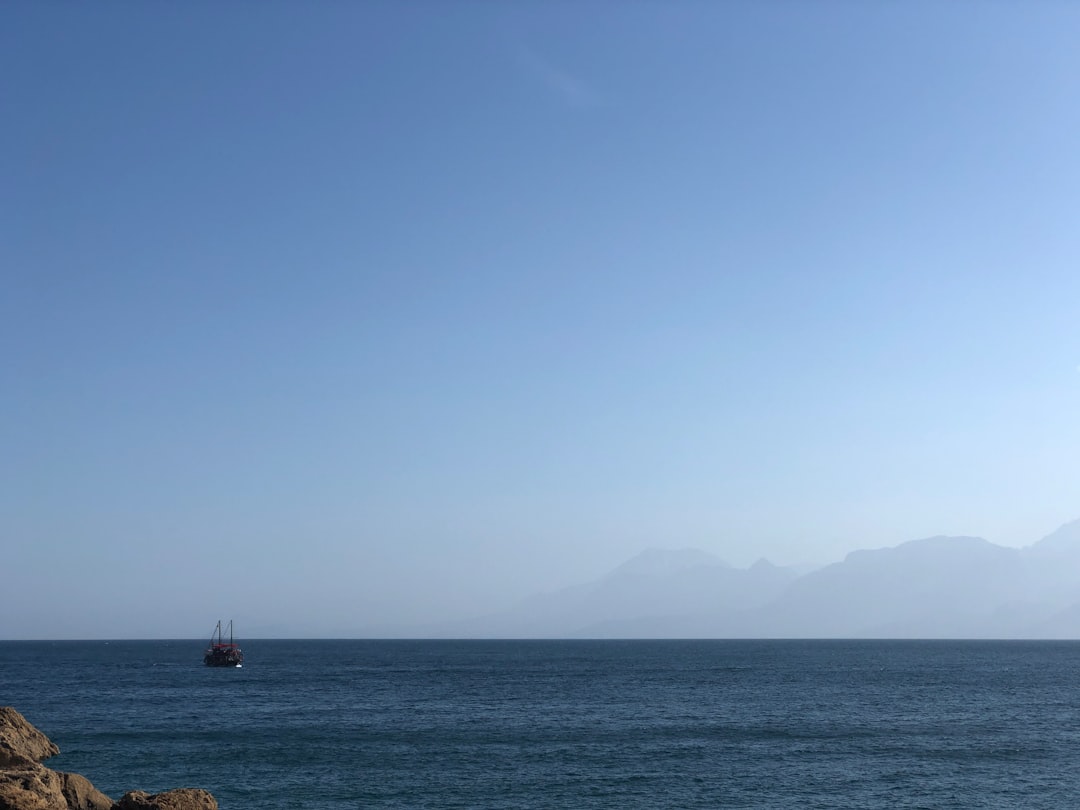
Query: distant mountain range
x=939, y=587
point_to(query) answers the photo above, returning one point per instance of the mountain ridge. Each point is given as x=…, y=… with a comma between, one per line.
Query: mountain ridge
x=944, y=586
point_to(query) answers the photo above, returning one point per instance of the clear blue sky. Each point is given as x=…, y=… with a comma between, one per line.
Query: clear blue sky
x=316, y=314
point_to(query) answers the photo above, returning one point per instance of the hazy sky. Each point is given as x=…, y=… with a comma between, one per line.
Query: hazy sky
x=320, y=314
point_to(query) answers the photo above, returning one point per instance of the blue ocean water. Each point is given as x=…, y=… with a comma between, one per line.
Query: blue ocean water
x=575, y=724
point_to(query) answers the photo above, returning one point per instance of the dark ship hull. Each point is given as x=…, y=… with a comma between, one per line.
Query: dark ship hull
x=222, y=653
x=223, y=656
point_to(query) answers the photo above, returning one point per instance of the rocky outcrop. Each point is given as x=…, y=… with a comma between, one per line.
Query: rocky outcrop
x=20, y=743
x=81, y=795
x=26, y=784
x=182, y=799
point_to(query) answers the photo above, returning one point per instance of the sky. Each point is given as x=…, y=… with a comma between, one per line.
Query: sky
x=322, y=315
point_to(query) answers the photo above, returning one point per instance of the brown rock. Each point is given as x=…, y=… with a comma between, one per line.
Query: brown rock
x=27, y=785
x=180, y=799
x=20, y=743
x=31, y=788
x=80, y=794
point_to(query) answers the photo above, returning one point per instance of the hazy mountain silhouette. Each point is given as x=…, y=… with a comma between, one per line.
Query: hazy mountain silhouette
x=932, y=588
x=658, y=592
x=938, y=587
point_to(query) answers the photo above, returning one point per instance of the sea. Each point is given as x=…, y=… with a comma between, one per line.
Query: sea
x=331, y=725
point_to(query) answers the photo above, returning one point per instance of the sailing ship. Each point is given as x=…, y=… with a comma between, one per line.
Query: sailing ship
x=222, y=653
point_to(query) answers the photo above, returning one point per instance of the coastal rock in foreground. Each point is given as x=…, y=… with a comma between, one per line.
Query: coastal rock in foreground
x=181, y=799
x=25, y=784
x=80, y=794
x=35, y=787
x=20, y=743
